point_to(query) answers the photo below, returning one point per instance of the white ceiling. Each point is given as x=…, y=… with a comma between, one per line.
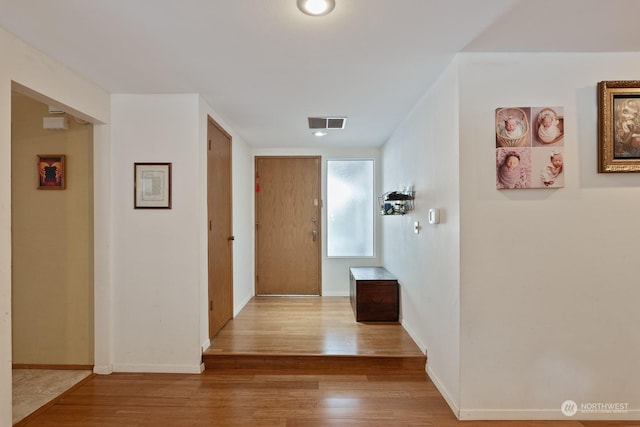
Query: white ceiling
x=265, y=67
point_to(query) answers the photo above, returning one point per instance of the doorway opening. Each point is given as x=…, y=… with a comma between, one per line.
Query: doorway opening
x=52, y=245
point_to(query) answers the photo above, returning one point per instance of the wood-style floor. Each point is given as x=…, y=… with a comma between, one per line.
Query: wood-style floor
x=309, y=326
x=297, y=387
x=310, y=335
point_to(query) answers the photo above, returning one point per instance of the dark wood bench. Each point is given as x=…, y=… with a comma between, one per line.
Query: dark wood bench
x=374, y=294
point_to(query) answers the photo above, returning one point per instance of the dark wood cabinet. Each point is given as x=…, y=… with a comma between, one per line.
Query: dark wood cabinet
x=374, y=294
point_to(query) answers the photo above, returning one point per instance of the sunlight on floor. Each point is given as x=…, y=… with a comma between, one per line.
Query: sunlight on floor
x=33, y=388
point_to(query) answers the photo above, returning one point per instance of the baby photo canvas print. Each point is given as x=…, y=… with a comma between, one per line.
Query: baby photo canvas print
x=529, y=147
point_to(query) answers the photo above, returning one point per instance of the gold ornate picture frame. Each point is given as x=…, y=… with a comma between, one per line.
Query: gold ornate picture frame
x=619, y=126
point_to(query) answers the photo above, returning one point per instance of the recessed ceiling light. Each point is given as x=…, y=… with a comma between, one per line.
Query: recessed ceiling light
x=316, y=7
x=319, y=133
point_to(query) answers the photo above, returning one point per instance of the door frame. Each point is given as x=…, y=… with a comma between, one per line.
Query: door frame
x=320, y=217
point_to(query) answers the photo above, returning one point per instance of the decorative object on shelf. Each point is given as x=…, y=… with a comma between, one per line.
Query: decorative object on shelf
x=619, y=126
x=152, y=186
x=397, y=202
x=529, y=147
x=51, y=172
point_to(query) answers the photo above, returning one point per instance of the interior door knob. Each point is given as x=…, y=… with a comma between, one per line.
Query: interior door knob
x=230, y=238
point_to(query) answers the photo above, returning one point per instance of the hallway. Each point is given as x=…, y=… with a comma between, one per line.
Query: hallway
x=283, y=376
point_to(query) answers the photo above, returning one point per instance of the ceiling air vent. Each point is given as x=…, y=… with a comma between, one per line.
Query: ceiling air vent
x=327, y=122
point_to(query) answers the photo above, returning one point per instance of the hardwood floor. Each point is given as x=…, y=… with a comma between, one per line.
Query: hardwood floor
x=263, y=400
x=310, y=335
x=309, y=326
x=280, y=395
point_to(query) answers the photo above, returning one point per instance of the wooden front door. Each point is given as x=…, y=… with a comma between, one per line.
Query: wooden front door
x=220, y=234
x=288, y=222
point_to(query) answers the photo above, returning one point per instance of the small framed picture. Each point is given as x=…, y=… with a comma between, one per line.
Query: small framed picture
x=619, y=126
x=51, y=172
x=152, y=186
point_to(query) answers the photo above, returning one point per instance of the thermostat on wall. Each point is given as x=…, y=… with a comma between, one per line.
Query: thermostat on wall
x=434, y=216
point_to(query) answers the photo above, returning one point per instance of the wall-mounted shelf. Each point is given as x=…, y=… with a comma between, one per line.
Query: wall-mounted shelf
x=396, y=202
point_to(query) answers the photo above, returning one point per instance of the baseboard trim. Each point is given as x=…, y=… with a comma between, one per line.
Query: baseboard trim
x=52, y=366
x=160, y=369
x=511, y=414
x=239, y=308
x=103, y=370
x=443, y=391
x=421, y=346
x=542, y=414
x=335, y=294
x=205, y=345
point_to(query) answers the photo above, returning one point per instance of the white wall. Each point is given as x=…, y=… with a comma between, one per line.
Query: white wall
x=549, y=281
x=156, y=252
x=47, y=81
x=335, y=271
x=243, y=220
x=160, y=256
x=423, y=152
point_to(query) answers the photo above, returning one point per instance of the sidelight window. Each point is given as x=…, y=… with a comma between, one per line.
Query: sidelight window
x=350, y=208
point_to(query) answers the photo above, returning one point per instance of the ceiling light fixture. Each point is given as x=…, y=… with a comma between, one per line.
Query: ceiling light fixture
x=319, y=133
x=316, y=7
